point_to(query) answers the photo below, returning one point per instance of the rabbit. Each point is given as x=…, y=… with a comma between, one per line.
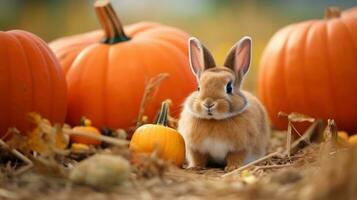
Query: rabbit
x=220, y=122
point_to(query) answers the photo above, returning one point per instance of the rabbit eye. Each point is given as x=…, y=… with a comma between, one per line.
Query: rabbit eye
x=229, y=88
x=198, y=88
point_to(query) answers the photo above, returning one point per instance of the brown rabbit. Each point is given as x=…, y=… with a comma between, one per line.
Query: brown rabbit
x=220, y=122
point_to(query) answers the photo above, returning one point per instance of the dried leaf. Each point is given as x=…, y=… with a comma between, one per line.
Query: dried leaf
x=150, y=90
x=296, y=117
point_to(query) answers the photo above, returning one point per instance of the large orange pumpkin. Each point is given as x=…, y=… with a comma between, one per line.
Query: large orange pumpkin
x=311, y=68
x=106, y=80
x=31, y=80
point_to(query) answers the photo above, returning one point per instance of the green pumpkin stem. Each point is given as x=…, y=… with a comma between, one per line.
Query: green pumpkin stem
x=162, y=119
x=113, y=28
x=332, y=12
x=82, y=122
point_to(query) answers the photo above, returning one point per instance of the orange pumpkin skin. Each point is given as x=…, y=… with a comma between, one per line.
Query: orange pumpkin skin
x=106, y=82
x=167, y=141
x=83, y=139
x=31, y=80
x=67, y=48
x=310, y=68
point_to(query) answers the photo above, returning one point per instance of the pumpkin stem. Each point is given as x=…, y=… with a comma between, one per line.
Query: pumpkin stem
x=332, y=12
x=162, y=119
x=85, y=122
x=113, y=28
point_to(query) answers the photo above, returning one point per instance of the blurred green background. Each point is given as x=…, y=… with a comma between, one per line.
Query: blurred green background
x=217, y=23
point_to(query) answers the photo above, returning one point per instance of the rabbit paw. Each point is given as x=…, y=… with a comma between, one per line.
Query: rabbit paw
x=230, y=168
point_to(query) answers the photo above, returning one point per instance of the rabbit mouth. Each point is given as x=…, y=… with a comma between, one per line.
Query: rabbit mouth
x=209, y=112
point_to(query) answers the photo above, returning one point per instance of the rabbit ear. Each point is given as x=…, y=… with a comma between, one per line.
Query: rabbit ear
x=239, y=56
x=200, y=57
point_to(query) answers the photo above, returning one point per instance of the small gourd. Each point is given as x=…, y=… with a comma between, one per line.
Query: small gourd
x=86, y=126
x=167, y=141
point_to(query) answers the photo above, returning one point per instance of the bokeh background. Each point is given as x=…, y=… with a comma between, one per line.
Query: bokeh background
x=218, y=23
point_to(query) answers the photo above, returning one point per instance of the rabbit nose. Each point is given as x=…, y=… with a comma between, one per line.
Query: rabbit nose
x=208, y=104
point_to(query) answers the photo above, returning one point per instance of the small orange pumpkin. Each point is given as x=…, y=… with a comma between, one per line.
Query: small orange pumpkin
x=310, y=68
x=107, y=79
x=86, y=126
x=169, y=143
x=31, y=80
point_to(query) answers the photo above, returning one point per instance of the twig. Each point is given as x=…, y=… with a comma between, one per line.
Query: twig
x=310, y=134
x=8, y=194
x=104, y=138
x=273, y=166
x=149, y=93
x=330, y=133
x=288, y=139
x=20, y=156
x=296, y=117
x=253, y=163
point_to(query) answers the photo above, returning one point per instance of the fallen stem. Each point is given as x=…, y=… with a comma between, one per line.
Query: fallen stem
x=99, y=137
x=273, y=166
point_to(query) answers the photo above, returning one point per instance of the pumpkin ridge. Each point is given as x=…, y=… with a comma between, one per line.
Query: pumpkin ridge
x=350, y=38
x=4, y=88
x=292, y=36
x=305, y=48
x=61, y=83
x=10, y=81
x=350, y=35
x=79, y=83
x=27, y=37
x=29, y=68
x=283, y=69
x=331, y=83
x=35, y=45
x=105, y=84
x=97, y=117
x=50, y=79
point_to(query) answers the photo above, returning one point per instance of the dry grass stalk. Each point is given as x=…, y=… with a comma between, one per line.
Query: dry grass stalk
x=6, y=194
x=296, y=117
x=330, y=132
x=29, y=163
x=149, y=92
x=288, y=139
x=273, y=166
x=312, y=134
